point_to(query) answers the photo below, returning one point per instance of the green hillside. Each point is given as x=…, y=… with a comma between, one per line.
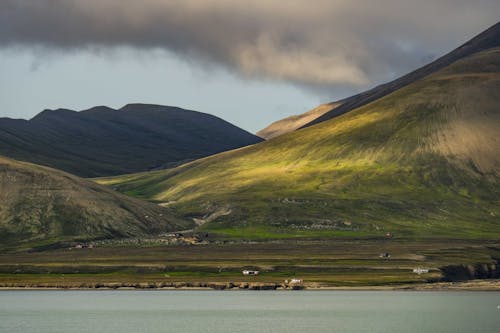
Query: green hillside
x=423, y=161
x=39, y=205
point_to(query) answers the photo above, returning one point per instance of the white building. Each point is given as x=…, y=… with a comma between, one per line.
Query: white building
x=420, y=270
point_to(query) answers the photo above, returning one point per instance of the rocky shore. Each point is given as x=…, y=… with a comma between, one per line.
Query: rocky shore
x=471, y=285
x=155, y=285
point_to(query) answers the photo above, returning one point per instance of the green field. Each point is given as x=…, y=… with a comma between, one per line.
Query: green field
x=318, y=263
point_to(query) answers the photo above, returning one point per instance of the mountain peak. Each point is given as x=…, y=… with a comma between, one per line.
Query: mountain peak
x=147, y=107
x=488, y=39
x=99, y=108
x=51, y=113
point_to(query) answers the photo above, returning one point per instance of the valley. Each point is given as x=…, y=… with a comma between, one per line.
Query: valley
x=396, y=187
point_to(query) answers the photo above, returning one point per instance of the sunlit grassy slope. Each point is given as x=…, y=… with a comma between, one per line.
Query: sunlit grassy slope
x=423, y=161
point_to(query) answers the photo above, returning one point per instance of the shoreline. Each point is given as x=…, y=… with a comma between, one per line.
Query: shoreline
x=470, y=285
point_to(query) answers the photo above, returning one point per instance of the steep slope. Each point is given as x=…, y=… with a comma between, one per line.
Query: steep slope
x=102, y=141
x=292, y=123
x=490, y=38
x=39, y=204
x=423, y=161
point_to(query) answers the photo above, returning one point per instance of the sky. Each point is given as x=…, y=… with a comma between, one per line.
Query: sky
x=249, y=62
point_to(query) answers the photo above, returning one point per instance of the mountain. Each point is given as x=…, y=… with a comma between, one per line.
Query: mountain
x=44, y=205
x=103, y=141
x=295, y=122
x=420, y=162
x=488, y=39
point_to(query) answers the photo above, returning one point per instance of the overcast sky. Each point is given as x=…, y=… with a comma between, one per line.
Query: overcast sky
x=249, y=62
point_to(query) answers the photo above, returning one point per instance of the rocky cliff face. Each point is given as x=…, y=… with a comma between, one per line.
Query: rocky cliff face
x=470, y=272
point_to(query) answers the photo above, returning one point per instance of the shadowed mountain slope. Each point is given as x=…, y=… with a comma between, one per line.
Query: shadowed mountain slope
x=40, y=204
x=423, y=161
x=102, y=141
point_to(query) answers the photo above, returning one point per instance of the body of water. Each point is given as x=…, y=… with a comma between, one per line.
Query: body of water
x=247, y=311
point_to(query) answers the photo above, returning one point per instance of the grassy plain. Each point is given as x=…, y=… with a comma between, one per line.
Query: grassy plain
x=318, y=263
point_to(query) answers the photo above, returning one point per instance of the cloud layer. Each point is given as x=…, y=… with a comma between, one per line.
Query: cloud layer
x=320, y=43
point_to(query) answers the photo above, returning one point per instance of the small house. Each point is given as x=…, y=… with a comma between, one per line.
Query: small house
x=250, y=272
x=420, y=270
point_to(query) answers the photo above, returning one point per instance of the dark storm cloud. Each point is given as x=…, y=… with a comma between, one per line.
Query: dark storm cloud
x=318, y=43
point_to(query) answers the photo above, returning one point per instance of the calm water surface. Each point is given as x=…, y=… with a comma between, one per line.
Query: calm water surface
x=248, y=311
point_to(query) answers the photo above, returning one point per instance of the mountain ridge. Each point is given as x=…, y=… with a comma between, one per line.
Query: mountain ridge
x=103, y=141
x=489, y=38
